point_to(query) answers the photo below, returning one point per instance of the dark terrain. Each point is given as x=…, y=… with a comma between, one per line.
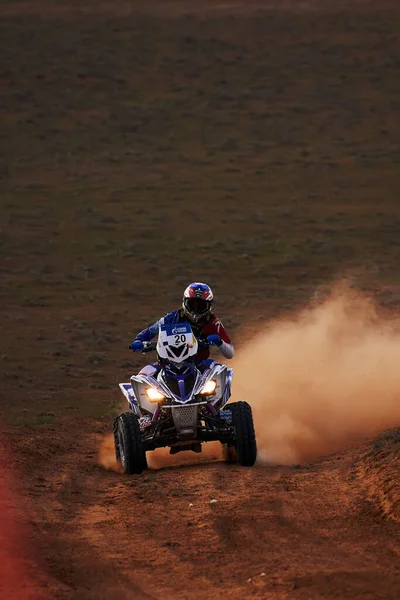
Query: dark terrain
x=145, y=145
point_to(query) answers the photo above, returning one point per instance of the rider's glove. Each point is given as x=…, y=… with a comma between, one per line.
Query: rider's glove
x=202, y=341
x=214, y=339
x=136, y=346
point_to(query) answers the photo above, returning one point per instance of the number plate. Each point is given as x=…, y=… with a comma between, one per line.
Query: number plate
x=176, y=334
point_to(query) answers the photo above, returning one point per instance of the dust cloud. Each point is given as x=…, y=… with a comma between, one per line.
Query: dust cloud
x=106, y=454
x=159, y=458
x=322, y=379
x=317, y=381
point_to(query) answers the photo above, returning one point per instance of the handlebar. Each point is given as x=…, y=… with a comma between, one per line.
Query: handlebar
x=149, y=347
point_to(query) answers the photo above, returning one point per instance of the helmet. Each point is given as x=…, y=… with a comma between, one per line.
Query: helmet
x=197, y=301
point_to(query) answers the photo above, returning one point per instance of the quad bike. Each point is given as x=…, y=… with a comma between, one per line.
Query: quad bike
x=182, y=406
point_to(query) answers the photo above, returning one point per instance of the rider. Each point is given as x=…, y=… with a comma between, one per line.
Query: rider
x=197, y=310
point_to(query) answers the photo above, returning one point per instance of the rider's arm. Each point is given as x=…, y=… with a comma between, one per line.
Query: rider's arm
x=226, y=348
x=147, y=334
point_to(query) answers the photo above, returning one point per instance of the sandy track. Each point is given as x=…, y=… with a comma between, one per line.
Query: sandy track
x=273, y=532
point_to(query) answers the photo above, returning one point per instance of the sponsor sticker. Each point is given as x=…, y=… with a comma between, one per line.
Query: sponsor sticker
x=178, y=329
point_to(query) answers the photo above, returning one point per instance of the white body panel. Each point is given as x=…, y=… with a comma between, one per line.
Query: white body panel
x=177, y=342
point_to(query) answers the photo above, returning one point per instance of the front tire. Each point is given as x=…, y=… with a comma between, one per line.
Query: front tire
x=245, y=443
x=128, y=444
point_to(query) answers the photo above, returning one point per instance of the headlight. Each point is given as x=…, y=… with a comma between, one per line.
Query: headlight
x=209, y=388
x=154, y=395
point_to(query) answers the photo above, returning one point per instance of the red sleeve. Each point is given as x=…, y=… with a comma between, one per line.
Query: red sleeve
x=215, y=326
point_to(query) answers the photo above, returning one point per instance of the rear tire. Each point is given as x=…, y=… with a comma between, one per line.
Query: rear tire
x=128, y=444
x=245, y=444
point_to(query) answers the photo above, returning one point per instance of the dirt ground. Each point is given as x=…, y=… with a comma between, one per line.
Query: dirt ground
x=143, y=146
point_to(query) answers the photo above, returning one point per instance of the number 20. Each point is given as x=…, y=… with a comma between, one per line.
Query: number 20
x=180, y=338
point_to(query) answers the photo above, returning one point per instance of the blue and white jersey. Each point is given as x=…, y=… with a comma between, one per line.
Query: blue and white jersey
x=212, y=325
x=169, y=319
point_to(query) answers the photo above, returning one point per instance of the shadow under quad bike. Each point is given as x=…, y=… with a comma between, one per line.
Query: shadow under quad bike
x=182, y=406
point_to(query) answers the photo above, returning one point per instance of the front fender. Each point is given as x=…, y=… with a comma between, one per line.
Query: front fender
x=127, y=391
